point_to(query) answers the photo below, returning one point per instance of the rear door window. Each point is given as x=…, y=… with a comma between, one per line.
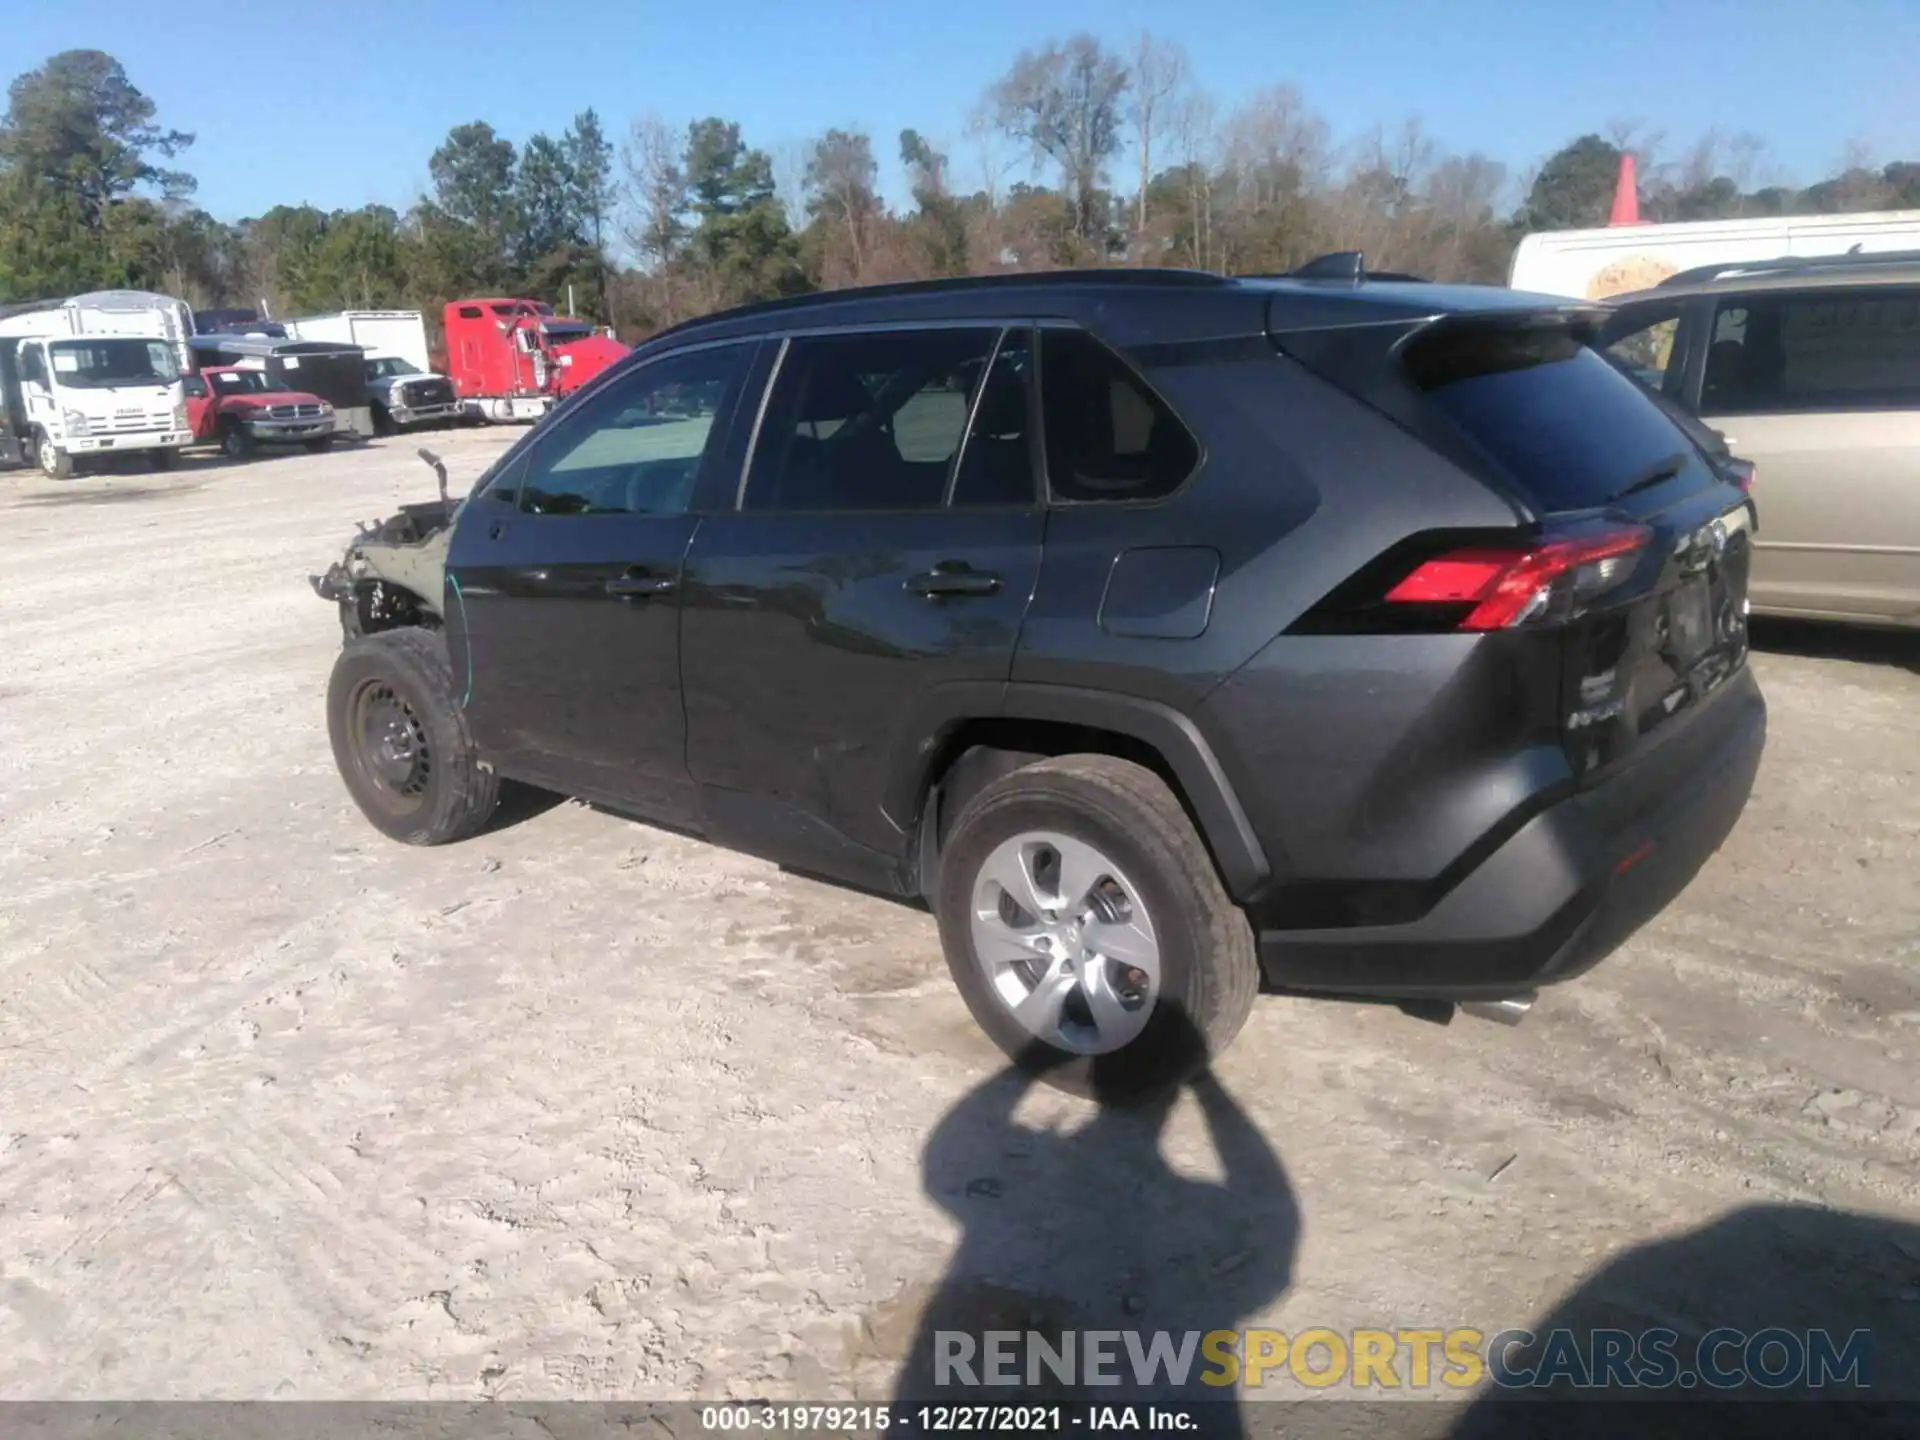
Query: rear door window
x=870, y=421
x=1570, y=428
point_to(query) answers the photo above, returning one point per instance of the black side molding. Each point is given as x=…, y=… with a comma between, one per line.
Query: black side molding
x=1229, y=834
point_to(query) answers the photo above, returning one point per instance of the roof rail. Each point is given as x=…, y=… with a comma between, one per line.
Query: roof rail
x=1792, y=265
x=1139, y=276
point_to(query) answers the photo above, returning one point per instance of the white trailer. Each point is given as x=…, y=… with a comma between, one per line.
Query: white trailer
x=1597, y=264
x=126, y=312
x=400, y=334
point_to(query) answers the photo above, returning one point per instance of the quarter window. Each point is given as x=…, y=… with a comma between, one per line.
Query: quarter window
x=870, y=421
x=636, y=447
x=1108, y=436
x=1646, y=351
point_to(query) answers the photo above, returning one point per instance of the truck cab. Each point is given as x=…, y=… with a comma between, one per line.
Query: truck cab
x=511, y=359
x=73, y=398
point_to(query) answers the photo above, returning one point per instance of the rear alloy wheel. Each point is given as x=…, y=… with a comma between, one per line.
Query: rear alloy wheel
x=1087, y=929
x=401, y=742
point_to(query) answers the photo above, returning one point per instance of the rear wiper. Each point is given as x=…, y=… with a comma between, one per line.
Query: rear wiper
x=1657, y=473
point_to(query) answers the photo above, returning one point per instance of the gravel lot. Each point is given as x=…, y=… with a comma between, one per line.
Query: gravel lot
x=583, y=1108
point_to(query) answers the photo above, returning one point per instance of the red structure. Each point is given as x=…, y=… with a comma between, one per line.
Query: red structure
x=1626, y=195
x=510, y=359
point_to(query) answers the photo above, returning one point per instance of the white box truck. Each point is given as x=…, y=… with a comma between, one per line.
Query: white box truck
x=71, y=392
x=1598, y=264
x=405, y=391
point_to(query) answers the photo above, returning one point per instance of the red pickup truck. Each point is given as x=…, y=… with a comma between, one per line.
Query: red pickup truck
x=239, y=409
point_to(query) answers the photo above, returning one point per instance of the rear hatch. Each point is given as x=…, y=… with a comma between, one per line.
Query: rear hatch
x=1630, y=545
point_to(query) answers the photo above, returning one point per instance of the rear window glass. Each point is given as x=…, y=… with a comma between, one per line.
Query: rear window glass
x=1571, y=429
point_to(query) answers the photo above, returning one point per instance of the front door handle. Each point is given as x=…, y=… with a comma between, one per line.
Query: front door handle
x=639, y=587
x=950, y=578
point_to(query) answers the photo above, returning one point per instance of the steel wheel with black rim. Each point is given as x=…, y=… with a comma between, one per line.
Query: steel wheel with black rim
x=402, y=744
x=1087, y=929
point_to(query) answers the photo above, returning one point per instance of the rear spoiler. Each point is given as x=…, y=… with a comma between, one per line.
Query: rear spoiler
x=1364, y=360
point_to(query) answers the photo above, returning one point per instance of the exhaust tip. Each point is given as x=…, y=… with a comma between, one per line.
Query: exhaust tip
x=1510, y=1011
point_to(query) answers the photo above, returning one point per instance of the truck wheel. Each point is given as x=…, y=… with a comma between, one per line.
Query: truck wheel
x=235, y=442
x=320, y=445
x=382, y=421
x=55, y=463
x=402, y=744
x=1087, y=929
x=163, y=458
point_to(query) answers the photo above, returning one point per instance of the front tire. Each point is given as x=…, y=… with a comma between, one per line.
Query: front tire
x=320, y=444
x=55, y=463
x=236, y=442
x=401, y=742
x=163, y=458
x=1087, y=929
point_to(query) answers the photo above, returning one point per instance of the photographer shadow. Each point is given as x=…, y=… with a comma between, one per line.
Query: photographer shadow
x=1092, y=1230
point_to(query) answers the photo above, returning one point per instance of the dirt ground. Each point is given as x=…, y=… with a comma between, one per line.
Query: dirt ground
x=583, y=1108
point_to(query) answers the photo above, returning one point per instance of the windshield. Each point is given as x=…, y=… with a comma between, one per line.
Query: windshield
x=98, y=364
x=389, y=366
x=566, y=332
x=244, y=382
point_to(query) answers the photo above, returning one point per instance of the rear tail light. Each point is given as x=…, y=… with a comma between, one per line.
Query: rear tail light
x=1497, y=587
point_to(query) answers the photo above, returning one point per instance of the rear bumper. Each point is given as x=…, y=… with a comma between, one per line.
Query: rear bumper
x=1566, y=889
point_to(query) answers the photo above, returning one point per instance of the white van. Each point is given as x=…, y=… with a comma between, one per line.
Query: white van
x=71, y=396
x=1598, y=264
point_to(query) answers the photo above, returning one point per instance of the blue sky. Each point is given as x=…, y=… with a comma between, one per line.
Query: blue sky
x=340, y=103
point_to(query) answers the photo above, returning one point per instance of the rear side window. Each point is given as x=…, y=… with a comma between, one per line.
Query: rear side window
x=1819, y=351
x=1571, y=429
x=1108, y=436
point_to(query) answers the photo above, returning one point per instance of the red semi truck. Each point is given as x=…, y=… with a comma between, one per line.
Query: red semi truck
x=511, y=359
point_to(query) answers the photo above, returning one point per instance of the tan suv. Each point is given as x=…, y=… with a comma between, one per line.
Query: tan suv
x=1810, y=369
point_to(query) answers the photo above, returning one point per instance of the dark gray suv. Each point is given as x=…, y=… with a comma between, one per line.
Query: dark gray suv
x=1168, y=635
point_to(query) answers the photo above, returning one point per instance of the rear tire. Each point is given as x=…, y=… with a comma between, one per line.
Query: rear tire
x=401, y=742
x=1113, y=832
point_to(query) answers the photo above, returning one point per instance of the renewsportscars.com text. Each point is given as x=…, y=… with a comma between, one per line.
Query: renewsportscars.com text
x=1408, y=1359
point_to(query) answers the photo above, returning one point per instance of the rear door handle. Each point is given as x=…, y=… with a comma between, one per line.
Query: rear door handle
x=946, y=579
x=639, y=587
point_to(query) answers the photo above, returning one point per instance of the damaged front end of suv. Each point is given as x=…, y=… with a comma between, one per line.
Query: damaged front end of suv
x=394, y=572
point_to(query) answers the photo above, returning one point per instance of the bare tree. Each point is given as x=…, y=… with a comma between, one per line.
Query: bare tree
x=790, y=160
x=1195, y=130
x=838, y=186
x=654, y=189
x=1160, y=71
x=1065, y=101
